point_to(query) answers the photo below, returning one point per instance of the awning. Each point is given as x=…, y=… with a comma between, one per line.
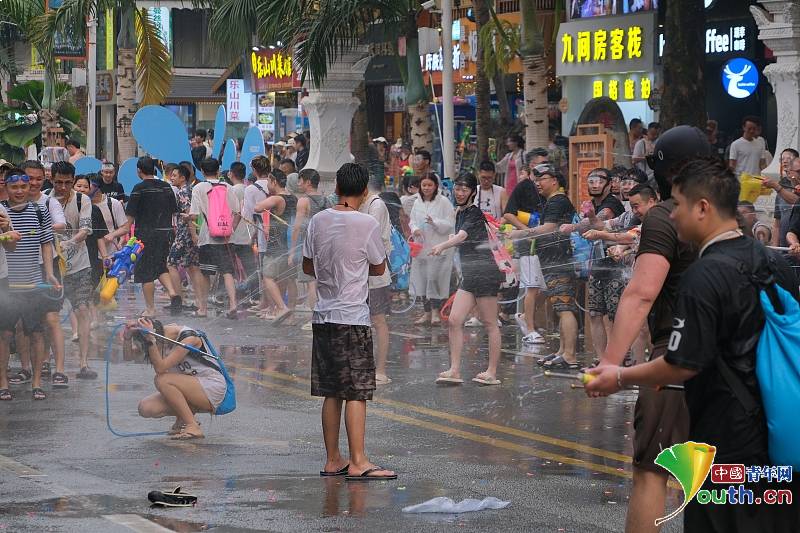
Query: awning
x=194, y=90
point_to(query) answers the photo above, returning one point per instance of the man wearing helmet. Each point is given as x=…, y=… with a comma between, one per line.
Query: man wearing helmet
x=660, y=417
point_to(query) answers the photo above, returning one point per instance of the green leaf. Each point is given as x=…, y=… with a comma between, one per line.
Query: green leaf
x=29, y=93
x=21, y=136
x=153, y=71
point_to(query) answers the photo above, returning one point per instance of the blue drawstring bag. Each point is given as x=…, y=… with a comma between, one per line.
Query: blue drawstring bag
x=778, y=372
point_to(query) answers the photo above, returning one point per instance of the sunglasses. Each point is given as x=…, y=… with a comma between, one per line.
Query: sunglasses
x=17, y=177
x=543, y=169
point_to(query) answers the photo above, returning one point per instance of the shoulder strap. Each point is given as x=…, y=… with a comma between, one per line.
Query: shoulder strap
x=260, y=188
x=78, y=201
x=749, y=403
x=39, y=214
x=111, y=212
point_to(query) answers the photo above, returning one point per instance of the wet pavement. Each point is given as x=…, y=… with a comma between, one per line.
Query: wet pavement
x=562, y=460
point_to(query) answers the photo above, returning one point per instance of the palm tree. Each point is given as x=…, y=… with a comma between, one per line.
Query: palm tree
x=144, y=62
x=683, y=98
x=318, y=33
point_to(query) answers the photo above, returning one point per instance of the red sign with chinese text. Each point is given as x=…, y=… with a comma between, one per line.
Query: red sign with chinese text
x=272, y=71
x=727, y=473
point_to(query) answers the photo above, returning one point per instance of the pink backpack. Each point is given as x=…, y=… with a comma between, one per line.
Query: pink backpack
x=220, y=218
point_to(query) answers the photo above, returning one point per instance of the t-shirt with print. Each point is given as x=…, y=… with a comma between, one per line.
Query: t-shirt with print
x=200, y=207
x=555, y=250
x=660, y=237
x=342, y=245
x=113, y=190
x=525, y=197
x=375, y=207
x=241, y=235
x=253, y=194
x=718, y=314
x=604, y=267
x=748, y=155
x=76, y=255
x=24, y=261
x=152, y=204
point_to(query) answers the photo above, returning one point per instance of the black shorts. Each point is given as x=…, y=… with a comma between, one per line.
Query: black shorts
x=480, y=278
x=216, y=258
x=153, y=261
x=342, y=364
x=53, y=304
x=380, y=301
x=660, y=419
x=8, y=316
x=25, y=306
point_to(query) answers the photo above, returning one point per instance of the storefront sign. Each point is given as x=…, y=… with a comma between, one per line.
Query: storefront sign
x=623, y=89
x=725, y=39
x=740, y=77
x=271, y=71
x=435, y=62
x=238, y=103
x=266, y=114
x=602, y=8
x=161, y=18
x=105, y=87
x=613, y=44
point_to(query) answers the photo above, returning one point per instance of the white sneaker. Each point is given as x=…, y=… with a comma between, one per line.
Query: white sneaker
x=473, y=323
x=533, y=338
x=519, y=318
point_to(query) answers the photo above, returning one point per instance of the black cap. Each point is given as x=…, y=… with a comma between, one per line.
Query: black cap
x=673, y=148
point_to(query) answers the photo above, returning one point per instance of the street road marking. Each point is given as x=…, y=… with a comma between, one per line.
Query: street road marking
x=482, y=439
x=497, y=428
x=18, y=468
x=136, y=523
x=408, y=335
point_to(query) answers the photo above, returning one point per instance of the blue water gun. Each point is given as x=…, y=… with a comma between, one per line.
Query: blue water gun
x=122, y=264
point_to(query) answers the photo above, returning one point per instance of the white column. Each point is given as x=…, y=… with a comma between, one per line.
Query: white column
x=779, y=29
x=448, y=122
x=91, y=88
x=330, y=111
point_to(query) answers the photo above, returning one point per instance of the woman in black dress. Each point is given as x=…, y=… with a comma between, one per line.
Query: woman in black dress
x=480, y=282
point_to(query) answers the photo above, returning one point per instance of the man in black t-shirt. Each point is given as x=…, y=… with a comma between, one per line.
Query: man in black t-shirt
x=109, y=184
x=555, y=253
x=716, y=325
x=660, y=418
x=526, y=198
x=151, y=207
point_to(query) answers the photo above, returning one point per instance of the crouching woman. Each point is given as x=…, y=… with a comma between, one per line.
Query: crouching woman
x=187, y=382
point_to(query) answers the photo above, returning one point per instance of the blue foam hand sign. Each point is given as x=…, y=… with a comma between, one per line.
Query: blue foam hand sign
x=229, y=155
x=161, y=133
x=219, y=131
x=87, y=165
x=126, y=175
x=253, y=145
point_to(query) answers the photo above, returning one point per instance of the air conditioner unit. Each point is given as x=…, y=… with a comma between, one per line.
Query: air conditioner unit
x=78, y=78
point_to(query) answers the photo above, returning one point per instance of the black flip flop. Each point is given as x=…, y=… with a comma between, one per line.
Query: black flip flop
x=341, y=472
x=365, y=475
x=561, y=363
x=5, y=395
x=38, y=394
x=542, y=360
x=176, y=498
x=60, y=381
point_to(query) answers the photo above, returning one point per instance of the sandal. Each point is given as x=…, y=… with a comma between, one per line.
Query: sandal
x=233, y=314
x=560, y=362
x=186, y=435
x=86, y=373
x=484, y=379
x=38, y=394
x=60, y=381
x=547, y=358
x=5, y=395
x=46, y=370
x=22, y=377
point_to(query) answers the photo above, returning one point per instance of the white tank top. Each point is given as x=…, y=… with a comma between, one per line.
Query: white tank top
x=193, y=365
x=489, y=202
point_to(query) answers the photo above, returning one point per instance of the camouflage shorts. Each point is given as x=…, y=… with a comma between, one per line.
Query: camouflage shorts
x=342, y=365
x=561, y=291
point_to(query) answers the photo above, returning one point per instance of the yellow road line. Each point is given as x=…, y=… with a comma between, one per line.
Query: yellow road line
x=489, y=426
x=482, y=439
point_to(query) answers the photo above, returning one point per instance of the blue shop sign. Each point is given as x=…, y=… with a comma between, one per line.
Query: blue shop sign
x=740, y=77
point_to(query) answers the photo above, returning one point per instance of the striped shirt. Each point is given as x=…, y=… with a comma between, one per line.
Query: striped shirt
x=23, y=262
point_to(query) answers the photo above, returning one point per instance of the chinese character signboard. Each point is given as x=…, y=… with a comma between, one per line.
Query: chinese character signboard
x=266, y=115
x=623, y=87
x=238, y=103
x=271, y=71
x=603, y=45
x=105, y=86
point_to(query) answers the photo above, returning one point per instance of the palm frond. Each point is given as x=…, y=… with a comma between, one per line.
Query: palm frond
x=233, y=24
x=21, y=12
x=500, y=44
x=153, y=71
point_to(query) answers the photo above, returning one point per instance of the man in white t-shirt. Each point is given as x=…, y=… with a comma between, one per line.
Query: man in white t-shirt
x=644, y=147
x=380, y=292
x=216, y=254
x=78, y=286
x=257, y=191
x=491, y=198
x=342, y=248
x=242, y=236
x=747, y=152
